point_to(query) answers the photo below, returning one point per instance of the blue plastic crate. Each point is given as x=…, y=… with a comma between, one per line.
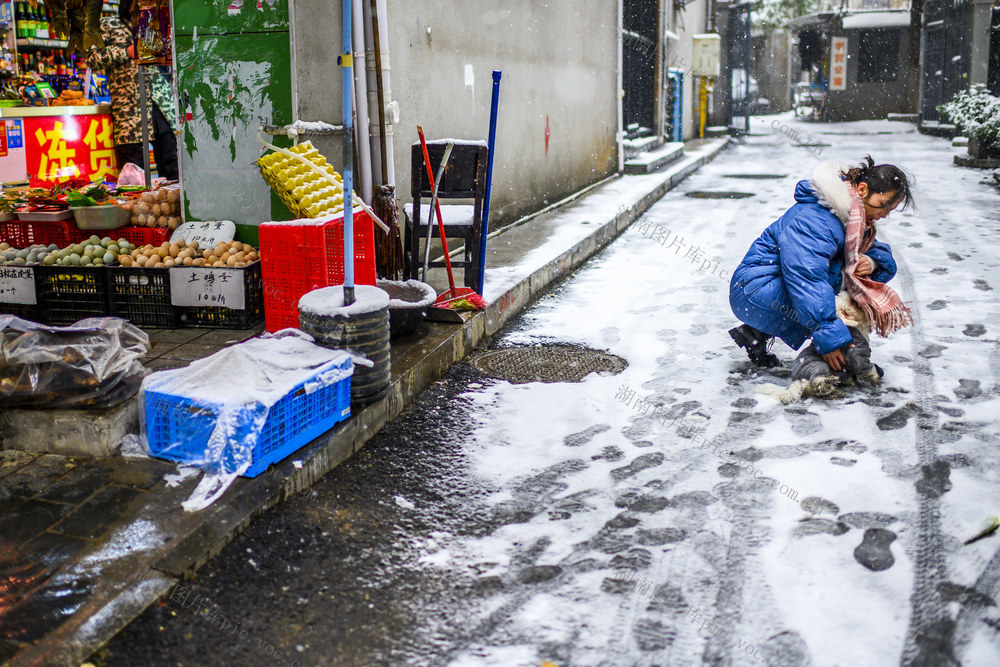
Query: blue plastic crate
x=178, y=428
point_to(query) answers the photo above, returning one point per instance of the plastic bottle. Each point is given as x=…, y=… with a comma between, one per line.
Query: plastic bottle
x=43, y=23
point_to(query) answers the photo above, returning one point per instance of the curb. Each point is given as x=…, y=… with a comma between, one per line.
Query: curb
x=152, y=578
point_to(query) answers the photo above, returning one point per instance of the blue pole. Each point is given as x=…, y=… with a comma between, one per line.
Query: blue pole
x=347, y=79
x=489, y=179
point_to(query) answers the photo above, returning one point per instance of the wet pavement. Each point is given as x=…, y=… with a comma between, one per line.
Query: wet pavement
x=55, y=509
x=674, y=513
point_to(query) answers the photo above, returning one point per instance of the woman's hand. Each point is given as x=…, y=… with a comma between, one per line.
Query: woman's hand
x=864, y=267
x=835, y=359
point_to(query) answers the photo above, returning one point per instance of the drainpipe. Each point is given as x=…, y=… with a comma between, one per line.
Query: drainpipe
x=620, y=91
x=364, y=171
x=390, y=112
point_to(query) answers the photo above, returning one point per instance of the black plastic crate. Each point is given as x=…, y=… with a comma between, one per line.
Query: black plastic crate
x=67, y=294
x=213, y=317
x=141, y=296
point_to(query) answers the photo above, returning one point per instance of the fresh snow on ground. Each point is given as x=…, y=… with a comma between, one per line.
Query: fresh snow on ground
x=710, y=524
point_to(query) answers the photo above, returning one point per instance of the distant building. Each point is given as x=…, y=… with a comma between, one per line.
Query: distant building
x=861, y=61
x=960, y=46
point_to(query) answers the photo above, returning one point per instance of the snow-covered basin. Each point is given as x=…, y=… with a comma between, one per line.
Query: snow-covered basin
x=408, y=302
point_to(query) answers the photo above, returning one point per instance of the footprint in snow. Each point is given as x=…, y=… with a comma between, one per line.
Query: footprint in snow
x=898, y=418
x=534, y=574
x=939, y=270
x=635, y=559
x=974, y=330
x=955, y=257
x=585, y=436
x=935, y=480
x=657, y=536
x=937, y=305
x=968, y=389
x=808, y=527
x=865, y=520
x=874, y=552
x=610, y=453
x=845, y=463
x=981, y=284
x=817, y=506
x=916, y=245
x=933, y=351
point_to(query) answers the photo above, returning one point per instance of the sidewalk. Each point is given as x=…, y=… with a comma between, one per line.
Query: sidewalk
x=86, y=546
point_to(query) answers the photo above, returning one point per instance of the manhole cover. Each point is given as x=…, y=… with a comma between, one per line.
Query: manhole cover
x=701, y=194
x=759, y=176
x=547, y=363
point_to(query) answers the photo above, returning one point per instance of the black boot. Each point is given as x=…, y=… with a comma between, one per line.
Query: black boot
x=755, y=343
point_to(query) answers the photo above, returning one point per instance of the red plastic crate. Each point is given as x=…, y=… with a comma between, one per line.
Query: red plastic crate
x=21, y=234
x=141, y=236
x=302, y=255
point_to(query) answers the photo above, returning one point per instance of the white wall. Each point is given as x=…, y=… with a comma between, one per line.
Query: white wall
x=558, y=60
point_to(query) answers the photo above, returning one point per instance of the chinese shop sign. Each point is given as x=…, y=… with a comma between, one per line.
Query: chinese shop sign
x=63, y=147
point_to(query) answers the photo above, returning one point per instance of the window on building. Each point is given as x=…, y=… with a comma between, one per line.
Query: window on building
x=878, y=55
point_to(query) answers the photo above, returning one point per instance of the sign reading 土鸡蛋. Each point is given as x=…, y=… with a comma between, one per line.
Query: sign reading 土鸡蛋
x=17, y=285
x=202, y=287
x=207, y=233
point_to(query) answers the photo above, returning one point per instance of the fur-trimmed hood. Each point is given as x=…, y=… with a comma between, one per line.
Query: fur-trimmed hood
x=831, y=189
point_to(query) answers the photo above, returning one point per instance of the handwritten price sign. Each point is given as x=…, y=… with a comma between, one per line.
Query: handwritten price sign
x=208, y=233
x=17, y=285
x=200, y=287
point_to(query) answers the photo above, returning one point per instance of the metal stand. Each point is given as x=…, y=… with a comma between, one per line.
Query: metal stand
x=144, y=123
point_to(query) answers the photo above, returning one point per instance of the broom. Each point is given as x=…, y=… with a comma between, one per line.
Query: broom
x=456, y=298
x=389, y=260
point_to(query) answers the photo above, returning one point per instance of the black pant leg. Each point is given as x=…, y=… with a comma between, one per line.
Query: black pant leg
x=164, y=146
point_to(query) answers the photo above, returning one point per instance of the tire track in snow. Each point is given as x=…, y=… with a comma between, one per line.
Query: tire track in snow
x=930, y=635
x=988, y=582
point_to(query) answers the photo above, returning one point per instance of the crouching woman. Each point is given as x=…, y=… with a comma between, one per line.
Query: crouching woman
x=787, y=285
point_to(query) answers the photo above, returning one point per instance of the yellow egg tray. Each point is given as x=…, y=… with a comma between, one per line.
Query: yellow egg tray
x=303, y=191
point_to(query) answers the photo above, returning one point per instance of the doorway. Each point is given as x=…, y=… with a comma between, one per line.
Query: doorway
x=639, y=54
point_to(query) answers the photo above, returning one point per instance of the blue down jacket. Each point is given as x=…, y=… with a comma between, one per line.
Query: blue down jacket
x=787, y=284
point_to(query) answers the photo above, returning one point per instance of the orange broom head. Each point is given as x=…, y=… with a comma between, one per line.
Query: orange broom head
x=461, y=299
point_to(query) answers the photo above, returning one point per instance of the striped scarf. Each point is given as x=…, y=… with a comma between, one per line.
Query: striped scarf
x=884, y=308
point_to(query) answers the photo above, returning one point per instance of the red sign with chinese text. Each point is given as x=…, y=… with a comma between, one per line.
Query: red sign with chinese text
x=59, y=148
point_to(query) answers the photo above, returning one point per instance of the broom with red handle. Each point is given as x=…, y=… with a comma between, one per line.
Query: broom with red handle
x=456, y=298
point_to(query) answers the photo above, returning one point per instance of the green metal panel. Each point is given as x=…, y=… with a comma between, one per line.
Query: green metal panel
x=229, y=84
x=222, y=17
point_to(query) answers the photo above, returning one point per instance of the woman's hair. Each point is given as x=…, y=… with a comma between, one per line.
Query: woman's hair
x=882, y=178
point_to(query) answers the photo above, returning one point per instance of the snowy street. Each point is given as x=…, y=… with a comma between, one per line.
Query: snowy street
x=672, y=514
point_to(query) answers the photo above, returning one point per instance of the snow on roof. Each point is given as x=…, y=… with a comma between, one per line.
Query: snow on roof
x=886, y=18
